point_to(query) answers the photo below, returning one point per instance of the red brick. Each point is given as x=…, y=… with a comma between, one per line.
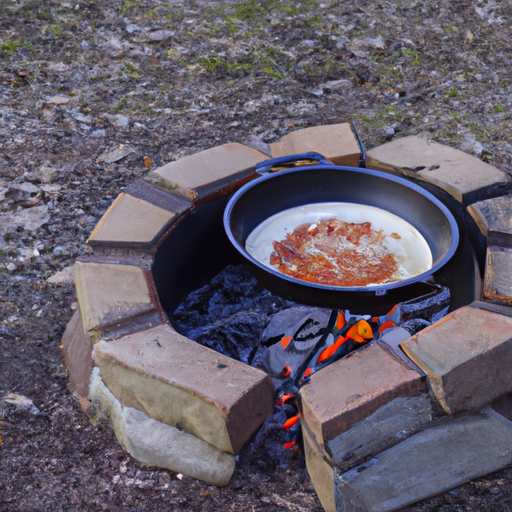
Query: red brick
x=196, y=176
x=336, y=142
x=186, y=385
x=467, y=356
x=349, y=390
x=77, y=353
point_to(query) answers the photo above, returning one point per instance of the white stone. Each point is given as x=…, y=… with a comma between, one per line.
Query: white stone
x=64, y=276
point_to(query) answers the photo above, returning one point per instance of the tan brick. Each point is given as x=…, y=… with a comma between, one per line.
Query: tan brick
x=466, y=356
x=336, y=142
x=77, y=353
x=498, y=275
x=133, y=222
x=109, y=294
x=183, y=384
x=465, y=177
x=196, y=176
x=156, y=444
x=351, y=389
x=320, y=469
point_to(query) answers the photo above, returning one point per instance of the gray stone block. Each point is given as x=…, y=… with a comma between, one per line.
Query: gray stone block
x=498, y=276
x=426, y=464
x=493, y=218
x=386, y=427
x=202, y=174
x=465, y=177
x=336, y=142
x=186, y=385
x=353, y=388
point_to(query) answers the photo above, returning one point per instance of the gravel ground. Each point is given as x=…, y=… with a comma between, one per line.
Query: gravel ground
x=94, y=94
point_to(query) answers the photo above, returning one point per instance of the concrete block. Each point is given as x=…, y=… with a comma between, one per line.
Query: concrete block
x=137, y=222
x=386, y=427
x=466, y=356
x=426, y=464
x=493, y=218
x=196, y=176
x=157, y=444
x=354, y=387
x=77, y=353
x=109, y=294
x=336, y=142
x=465, y=177
x=498, y=275
x=183, y=384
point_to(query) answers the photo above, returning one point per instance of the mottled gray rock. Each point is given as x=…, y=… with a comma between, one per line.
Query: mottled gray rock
x=116, y=154
x=471, y=145
x=158, y=35
x=118, y=120
x=23, y=194
x=28, y=218
x=64, y=276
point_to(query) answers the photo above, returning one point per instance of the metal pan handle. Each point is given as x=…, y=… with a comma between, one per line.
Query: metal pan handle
x=286, y=162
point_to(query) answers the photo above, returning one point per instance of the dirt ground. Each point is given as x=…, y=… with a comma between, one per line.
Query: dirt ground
x=94, y=94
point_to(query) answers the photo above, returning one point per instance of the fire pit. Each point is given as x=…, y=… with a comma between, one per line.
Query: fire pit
x=163, y=238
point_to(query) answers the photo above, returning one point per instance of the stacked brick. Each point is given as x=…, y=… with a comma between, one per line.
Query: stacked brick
x=127, y=365
x=379, y=439
x=383, y=428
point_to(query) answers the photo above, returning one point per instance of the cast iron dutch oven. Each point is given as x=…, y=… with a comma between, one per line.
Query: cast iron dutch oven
x=324, y=183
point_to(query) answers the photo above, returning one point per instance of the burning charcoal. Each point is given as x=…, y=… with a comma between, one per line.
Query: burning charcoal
x=296, y=344
x=341, y=338
x=282, y=321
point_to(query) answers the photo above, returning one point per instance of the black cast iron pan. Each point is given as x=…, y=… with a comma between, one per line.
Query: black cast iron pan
x=322, y=183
